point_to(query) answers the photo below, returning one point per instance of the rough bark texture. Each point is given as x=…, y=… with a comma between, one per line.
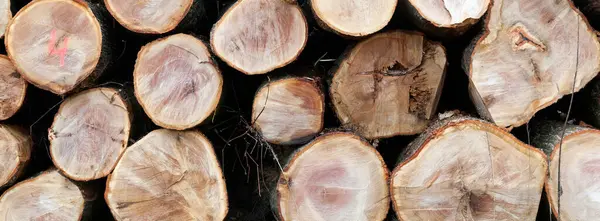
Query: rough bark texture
x=389, y=84
x=152, y=17
x=168, y=175
x=89, y=133
x=289, y=111
x=258, y=36
x=12, y=89
x=338, y=176
x=15, y=153
x=533, y=48
x=353, y=18
x=177, y=82
x=5, y=16
x=466, y=169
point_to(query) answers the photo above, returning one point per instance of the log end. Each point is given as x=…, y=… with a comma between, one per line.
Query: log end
x=13, y=88
x=454, y=14
x=149, y=17
x=5, y=16
x=354, y=18
x=15, y=153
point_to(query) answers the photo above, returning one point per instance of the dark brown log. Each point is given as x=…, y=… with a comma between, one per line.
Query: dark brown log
x=527, y=58
x=466, y=169
x=289, y=111
x=353, y=18
x=5, y=16
x=12, y=89
x=168, y=175
x=591, y=9
x=89, y=133
x=338, y=176
x=150, y=17
x=177, y=82
x=258, y=36
x=389, y=84
x=15, y=153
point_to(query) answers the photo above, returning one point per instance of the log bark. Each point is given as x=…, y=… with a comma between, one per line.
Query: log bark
x=448, y=18
x=177, y=82
x=5, y=16
x=591, y=9
x=389, y=84
x=338, y=176
x=258, y=36
x=535, y=48
x=466, y=169
x=168, y=175
x=56, y=45
x=89, y=133
x=48, y=196
x=15, y=153
x=353, y=18
x=289, y=111
x=12, y=88
x=579, y=170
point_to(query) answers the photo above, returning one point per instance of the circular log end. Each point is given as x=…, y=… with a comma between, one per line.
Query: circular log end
x=451, y=13
x=5, y=15
x=49, y=196
x=55, y=44
x=13, y=88
x=168, y=175
x=389, y=84
x=336, y=177
x=469, y=170
x=15, y=153
x=89, y=133
x=177, y=82
x=258, y=36
x=289, y=111
x=354, y=18
x=149, y=17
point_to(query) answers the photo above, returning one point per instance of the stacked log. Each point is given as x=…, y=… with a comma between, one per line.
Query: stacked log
x=12, y=89
x=353, y=18
x=15, y=154
x=448, y=18
x=151, y=17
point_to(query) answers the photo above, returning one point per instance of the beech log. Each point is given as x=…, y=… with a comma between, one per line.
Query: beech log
x=447, y=18
x=258, y=36
x=591, y=9
x=579, y=169
x=12, y=89
x=15, y=153
x=389, y=84
x=89, y=133
x=289, y=111
x=5, y=15
x=467, y=169
x=527, y=58
x=48, y=196
x=150, y=17
x=337, y=176
x=353, y=18
x=168, y=175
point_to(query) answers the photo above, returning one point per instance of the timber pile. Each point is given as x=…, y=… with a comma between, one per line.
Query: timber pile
x=294, y=110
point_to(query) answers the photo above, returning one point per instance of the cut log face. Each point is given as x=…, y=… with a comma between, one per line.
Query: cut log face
x=55, y=44
x=15, y=152
x=168, y=175
x=89, y=133
x=467, y=169
x=289, y=111
x=49, y=196
x=150, y=17
x=12, y=88
x=355, y=17
x=5, y=15
x=389, y=84
x=258, y=36
x=450, y=13
x=336, y=177
x=177, y=82
x=533, y=47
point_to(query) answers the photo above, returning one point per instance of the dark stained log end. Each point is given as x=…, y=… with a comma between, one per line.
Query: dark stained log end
x=12, y=87
x=353, y=18
x=149, y=17
x=15, y=153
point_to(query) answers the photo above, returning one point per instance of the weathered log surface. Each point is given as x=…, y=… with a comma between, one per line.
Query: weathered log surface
x=289, y=111
x=15, y=153
x=447, y=18
x=168, y=175
x=467, y=169
x=258, y=36
x=89, y=133
x=337, y=176
x=389, y=84
x=527, y=57
x=12, y=88
x=353, y=18
x=5, y=16
x=149, y=17
x=177, y=82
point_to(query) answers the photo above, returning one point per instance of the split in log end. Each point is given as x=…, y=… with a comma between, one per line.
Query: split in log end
x=354, y=18
x=12, y=87
x=15, y=153
x=149, y=17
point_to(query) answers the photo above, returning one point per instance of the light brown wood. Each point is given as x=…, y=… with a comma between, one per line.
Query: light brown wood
x=5, y=16
x=355, y=17
x=289, y=111
x=49, y=196
x=258, y=36
x=168, y=175
x=389, y=84
x=55, y=44
x=527, y=58
x=12, y=89
x=450, y=13
x=468, y=169
x=15, y=153
x=338, y=176
x=89, y=133
x=149, y=17
x=177, y=82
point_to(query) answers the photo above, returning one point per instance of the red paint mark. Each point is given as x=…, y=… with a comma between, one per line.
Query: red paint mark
x=62, y=52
